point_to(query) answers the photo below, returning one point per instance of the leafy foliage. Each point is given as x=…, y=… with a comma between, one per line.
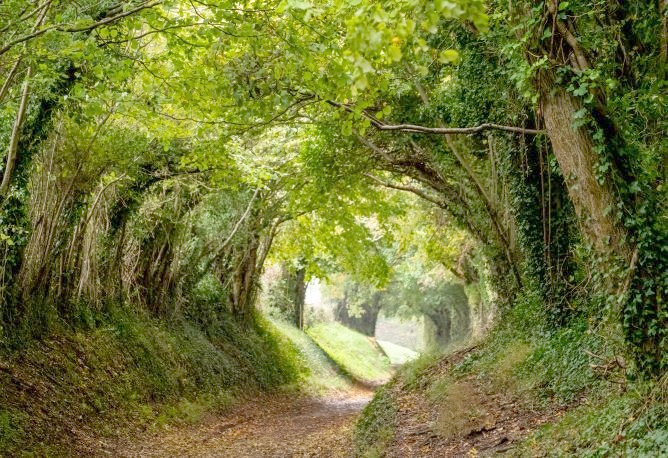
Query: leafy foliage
x=158, y=153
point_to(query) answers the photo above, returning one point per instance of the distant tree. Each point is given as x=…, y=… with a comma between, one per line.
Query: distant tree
x=359, y=307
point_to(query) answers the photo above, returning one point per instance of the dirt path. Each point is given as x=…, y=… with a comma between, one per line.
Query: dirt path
x=478, y=419
x=269, y=427
x=475, y=418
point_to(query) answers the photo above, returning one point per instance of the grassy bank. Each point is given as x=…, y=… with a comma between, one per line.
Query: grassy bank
x=397, y=354
x=125, y=373
x=355, y=353
x=319, y=374
x=570, y=389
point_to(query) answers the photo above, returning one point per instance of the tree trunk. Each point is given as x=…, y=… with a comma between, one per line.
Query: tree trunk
x=573, y=147
x=300, y=296
x=366, y=323
x=463, y=314
x=442, y=329
x=12, y=152
x=293, y=286
x=243, y=284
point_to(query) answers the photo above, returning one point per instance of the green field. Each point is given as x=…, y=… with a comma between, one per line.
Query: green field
x=320, y=374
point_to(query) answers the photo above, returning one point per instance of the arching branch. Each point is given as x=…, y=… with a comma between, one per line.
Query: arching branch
x=411, y=189
x=414, y=128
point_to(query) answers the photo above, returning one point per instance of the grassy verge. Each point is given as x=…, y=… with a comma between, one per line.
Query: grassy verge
x=353, y=352
x=578, y=369
x=397, y=353
x=127, y=373
x=581, y=366
x=375, y=428
x=321, y=374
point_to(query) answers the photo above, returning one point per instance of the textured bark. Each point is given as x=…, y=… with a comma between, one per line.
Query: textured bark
x=12, y=152
x=663, y=6
x=574, y=150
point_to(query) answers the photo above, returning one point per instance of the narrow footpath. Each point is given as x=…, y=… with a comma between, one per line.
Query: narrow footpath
x=276, y=427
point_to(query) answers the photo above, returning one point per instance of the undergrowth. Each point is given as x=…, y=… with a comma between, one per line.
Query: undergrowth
x=375, y=428
x=580, y=368
x=127, y=372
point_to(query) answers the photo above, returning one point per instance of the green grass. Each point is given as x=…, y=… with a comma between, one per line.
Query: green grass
x=128, y=372
x=397, y=353
x=352, y=351
x=321, y=374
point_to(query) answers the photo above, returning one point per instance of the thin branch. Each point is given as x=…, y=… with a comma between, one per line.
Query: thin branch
x=22, y=18
x=414, y=128
x=5, y=87
x=580, y=58
x=489, y=207
x=8, y=80
x=99, y=195
x=87, y=28
x=298, y=102
x=238, y=224
x=12, y=151
x=375, y=149
x=411, y=189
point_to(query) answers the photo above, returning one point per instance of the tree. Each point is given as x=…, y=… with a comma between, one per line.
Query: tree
x=535, y=129
x=359, y=307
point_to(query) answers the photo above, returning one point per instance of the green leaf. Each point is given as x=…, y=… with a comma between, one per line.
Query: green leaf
x=394, y=53
x=581, y=90
x=299, y=4
x=448, y=56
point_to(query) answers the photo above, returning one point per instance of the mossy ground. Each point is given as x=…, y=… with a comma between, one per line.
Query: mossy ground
x=126, y=373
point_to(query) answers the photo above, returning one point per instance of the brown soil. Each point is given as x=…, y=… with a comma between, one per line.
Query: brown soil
x=494, y=422
x=476, y=418
x=271, y=426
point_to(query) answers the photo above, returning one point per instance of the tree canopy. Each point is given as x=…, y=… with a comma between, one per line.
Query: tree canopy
x=157, y=153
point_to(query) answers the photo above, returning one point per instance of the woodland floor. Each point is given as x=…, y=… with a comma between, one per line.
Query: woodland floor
x=283, y=426
x=481, y=420
x=276, y=426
